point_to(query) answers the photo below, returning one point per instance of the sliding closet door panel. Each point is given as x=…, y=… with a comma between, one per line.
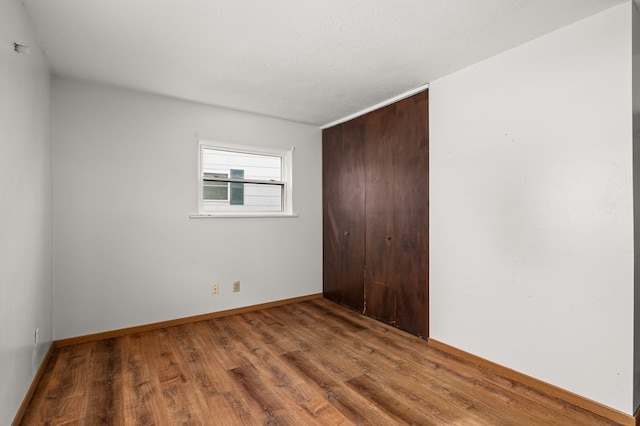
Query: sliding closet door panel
x=411, y=213
x=331, y=243
x=380, y=277
x=376, y=214
x=343, y=214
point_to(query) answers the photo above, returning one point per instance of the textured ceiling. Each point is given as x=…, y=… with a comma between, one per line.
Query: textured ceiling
x=310, y=61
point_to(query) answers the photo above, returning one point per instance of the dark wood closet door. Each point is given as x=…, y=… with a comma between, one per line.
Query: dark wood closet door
x=380, y=270
x=411, y=213
x=397, y=209
x=376, y=214
x=343, y=194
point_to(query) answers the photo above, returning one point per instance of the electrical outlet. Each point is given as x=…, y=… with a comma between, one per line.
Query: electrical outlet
x=214, y=288
x=236, y=286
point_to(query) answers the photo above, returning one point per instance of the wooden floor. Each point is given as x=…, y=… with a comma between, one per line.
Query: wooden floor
x=301, y=364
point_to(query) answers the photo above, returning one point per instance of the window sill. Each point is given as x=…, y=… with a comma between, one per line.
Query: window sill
x=243, y=215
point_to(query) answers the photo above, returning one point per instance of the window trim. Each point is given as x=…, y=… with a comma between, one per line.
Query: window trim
x=286, y=183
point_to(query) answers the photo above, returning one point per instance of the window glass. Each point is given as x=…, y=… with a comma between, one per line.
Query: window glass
x=215, y=190
x=241, y=181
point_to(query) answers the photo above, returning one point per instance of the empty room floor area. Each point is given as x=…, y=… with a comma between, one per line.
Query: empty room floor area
x=313, y=362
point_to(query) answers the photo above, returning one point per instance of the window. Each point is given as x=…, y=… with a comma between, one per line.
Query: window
x=214, y=190
x=215, y=187
x=240, y=180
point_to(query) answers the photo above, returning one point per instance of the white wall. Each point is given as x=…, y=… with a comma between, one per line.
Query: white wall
x=532, y=209
x=26, y=291
x=127, y=252
x=636, y=199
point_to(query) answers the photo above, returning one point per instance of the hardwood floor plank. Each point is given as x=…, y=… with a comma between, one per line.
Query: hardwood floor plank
x=308, y=363
x=273, y=410
x=372, y=390
x=33, y=415
x=249, y=347
x=208, y=386
x=277, y=343
x=181, y=397
x=215, y=392
x=283, y=381
x=329, y=352
x=141, y=387
x=288, y=328
x=357, y=410
x=355, y=407
x=64, y=397
x=203, y=365
x=104, y=391
x=313, y=373
x=225, y=345
x=301, y=397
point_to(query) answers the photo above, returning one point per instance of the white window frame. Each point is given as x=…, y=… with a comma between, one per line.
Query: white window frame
x=287, y=178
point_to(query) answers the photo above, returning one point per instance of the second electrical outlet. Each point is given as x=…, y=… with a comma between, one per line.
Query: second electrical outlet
x=214, y=288
x=236, y=286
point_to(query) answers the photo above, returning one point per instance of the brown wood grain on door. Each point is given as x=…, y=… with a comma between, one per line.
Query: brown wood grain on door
x=343, y=214
x=376, y=214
